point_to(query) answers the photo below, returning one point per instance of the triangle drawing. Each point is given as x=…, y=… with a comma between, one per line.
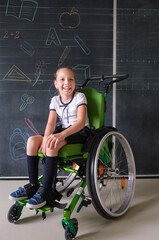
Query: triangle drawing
x=15, y=74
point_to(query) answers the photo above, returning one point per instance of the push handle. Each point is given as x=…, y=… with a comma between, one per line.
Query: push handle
x=115, y=77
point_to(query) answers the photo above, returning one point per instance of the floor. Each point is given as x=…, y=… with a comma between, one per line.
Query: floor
x=140, y=222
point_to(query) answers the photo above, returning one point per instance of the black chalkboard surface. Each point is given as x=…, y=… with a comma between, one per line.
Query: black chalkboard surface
x=36, y=37
x=137, y=99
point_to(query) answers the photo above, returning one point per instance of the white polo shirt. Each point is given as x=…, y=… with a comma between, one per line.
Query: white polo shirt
x=67, y=113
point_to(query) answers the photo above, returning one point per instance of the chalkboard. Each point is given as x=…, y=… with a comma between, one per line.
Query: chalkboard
x=35, y=38
x=137, y=98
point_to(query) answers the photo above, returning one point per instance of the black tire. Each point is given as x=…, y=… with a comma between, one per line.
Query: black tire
x=111, y=174
x=14, y=212
x=68, y=234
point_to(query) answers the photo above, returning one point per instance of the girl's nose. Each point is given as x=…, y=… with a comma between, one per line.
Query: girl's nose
x=66, y=81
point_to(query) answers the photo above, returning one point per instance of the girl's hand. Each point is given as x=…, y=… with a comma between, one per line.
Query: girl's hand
x=54, y=139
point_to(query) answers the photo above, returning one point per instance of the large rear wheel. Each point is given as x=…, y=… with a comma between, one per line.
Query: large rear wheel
x=111, y=174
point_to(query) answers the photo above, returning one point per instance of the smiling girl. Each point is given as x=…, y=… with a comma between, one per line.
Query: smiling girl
x=71, y=109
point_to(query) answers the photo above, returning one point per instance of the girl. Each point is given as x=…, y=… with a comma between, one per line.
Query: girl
x=71, y=108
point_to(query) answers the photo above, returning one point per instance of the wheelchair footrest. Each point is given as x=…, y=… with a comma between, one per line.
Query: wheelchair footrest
x=43, y=210
x=60, y=205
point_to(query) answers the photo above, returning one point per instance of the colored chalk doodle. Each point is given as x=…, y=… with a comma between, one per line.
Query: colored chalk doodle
x=52, y=38
x=11, y=34
x=64, y=55
x=37, y=80
x=70, y=19
x=22, y=9
x=27, y=48
x=40, y=67
x=84, y=69
x=82, y=45
x=31, y=125
x=26, y=99
x=15, y=74
x=17, y=144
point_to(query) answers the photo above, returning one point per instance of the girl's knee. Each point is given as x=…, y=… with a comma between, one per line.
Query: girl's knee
x=33, y=144
x=31, y=141
x=54, y=151
x=51, y=152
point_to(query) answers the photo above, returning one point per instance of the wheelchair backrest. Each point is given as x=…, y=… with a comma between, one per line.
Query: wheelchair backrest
x=95, y=107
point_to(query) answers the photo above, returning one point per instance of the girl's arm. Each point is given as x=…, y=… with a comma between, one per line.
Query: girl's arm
x=50, y=128
x=54, y=139
x=51, y=123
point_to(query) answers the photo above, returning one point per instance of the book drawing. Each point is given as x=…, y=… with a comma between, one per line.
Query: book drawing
x=22, y=9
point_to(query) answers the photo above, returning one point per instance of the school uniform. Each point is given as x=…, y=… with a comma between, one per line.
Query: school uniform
x=67, y=115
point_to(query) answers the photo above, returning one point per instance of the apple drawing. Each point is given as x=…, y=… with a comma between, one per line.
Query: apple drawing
x=70, y=19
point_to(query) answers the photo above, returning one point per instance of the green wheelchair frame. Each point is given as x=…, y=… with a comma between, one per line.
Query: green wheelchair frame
x=97, y=166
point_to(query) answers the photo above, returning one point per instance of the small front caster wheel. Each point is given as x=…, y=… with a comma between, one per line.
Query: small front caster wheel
x=71, y=229
x=14, y=212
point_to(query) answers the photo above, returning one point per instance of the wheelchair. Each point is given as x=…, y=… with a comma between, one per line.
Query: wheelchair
x=105, y=165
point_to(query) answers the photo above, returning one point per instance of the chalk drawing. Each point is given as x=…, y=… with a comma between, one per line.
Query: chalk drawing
x=17, y=144
x=22, y=9
x=40, y=67
x=37, y=80
x=64, y=55
x=52, y=38
x=27, y=48
x=15, y=74
x=70, y=19
x=82, y=45
x=11, y=35
x=26, y=99
x=86, y=69
x=31, y=125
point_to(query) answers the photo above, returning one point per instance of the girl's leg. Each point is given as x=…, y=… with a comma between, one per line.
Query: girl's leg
x=47, y=193
x=30, y=189
x=33, y=146
x=50, y=168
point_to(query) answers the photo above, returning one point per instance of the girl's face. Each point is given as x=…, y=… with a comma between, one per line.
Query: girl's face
x=65, y=82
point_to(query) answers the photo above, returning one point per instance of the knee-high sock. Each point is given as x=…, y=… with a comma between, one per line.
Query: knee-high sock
x=32, y=162
x=50, y=170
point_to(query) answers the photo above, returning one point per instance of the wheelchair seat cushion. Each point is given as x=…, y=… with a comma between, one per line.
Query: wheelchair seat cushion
x=71, y=150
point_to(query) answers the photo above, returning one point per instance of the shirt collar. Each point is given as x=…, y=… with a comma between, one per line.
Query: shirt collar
x=66, y=104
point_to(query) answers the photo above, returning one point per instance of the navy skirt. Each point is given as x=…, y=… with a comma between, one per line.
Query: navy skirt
x=78, y=137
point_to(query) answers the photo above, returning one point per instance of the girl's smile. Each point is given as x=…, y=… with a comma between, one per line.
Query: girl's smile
x=65, y=83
